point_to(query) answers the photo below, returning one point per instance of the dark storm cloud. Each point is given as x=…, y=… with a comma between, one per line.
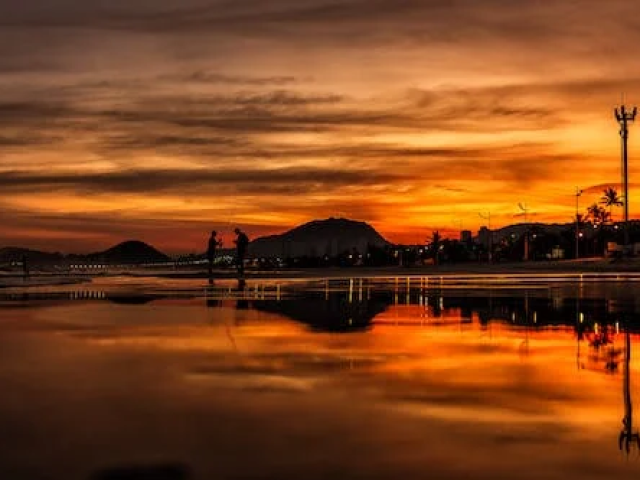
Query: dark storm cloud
x=161, y=142
x=33, y=140
x=286, y=112
x=220, y=129
x=215, y=133
x=522, y=170
x=452, y=21
x=229, y=125
x=12, y=112
x=234, y=182
x=140, y=85
x=113, y=222
x=209, y=77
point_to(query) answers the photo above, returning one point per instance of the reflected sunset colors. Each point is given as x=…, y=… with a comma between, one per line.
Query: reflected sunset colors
x=460, y=383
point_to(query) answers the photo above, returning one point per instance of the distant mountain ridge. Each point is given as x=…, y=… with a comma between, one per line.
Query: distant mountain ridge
x=131, y=252
x=331, y=237
x=317, y=238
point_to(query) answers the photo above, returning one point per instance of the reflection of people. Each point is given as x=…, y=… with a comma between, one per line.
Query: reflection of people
x=242, y=242
x=214, y=243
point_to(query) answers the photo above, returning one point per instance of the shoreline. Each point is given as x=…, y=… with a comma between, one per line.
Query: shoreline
x=586, y=266
x=568, y=267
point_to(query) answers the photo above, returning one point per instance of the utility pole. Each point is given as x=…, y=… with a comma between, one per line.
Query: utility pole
x=578, y=193
x=624, y=117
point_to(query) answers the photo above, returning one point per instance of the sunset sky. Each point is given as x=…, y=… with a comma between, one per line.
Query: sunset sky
x=162, y=119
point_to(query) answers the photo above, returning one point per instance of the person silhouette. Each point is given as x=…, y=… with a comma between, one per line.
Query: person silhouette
x=242, y=242
x=214, y=243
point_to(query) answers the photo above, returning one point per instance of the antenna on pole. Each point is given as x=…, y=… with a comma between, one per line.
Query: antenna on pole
x=624, y=117
x=525, y=210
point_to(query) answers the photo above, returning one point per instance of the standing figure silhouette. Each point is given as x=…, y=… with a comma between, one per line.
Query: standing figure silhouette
x=242, y=242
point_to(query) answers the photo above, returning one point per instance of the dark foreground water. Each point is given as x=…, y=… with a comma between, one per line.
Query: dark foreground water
x=465, y=378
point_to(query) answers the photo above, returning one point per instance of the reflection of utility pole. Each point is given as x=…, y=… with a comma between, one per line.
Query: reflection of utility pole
x=488, y=218
x=578, y=193
x=524, y=347
x=579, y=327
x=627, y=435
x=624, y=117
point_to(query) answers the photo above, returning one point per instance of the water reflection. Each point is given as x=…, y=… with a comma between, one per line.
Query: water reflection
x=593, y=310
x=247, y=383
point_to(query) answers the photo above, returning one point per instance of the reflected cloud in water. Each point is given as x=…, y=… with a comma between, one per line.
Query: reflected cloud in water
x=411, y=373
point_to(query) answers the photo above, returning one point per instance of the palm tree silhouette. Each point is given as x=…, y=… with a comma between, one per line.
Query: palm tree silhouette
x=610, y=199
x=597, y=214
x=627, y=436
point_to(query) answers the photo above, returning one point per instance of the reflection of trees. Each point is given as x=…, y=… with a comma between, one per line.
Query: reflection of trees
x=627, y=436
x=602, y=354
x=592, y=315
x=520, y=309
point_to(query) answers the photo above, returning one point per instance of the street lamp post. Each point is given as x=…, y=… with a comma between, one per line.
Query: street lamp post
x=625, y=117
x=578, y=193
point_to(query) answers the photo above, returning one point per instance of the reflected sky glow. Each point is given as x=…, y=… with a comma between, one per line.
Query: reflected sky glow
x=232, y=387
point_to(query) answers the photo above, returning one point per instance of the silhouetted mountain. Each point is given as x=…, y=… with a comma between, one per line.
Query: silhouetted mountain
x=130, y=252
x=15, y=254
x=321, y=237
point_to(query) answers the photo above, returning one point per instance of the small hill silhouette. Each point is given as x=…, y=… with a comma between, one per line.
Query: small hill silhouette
x=331, y=237
x=130, y=252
